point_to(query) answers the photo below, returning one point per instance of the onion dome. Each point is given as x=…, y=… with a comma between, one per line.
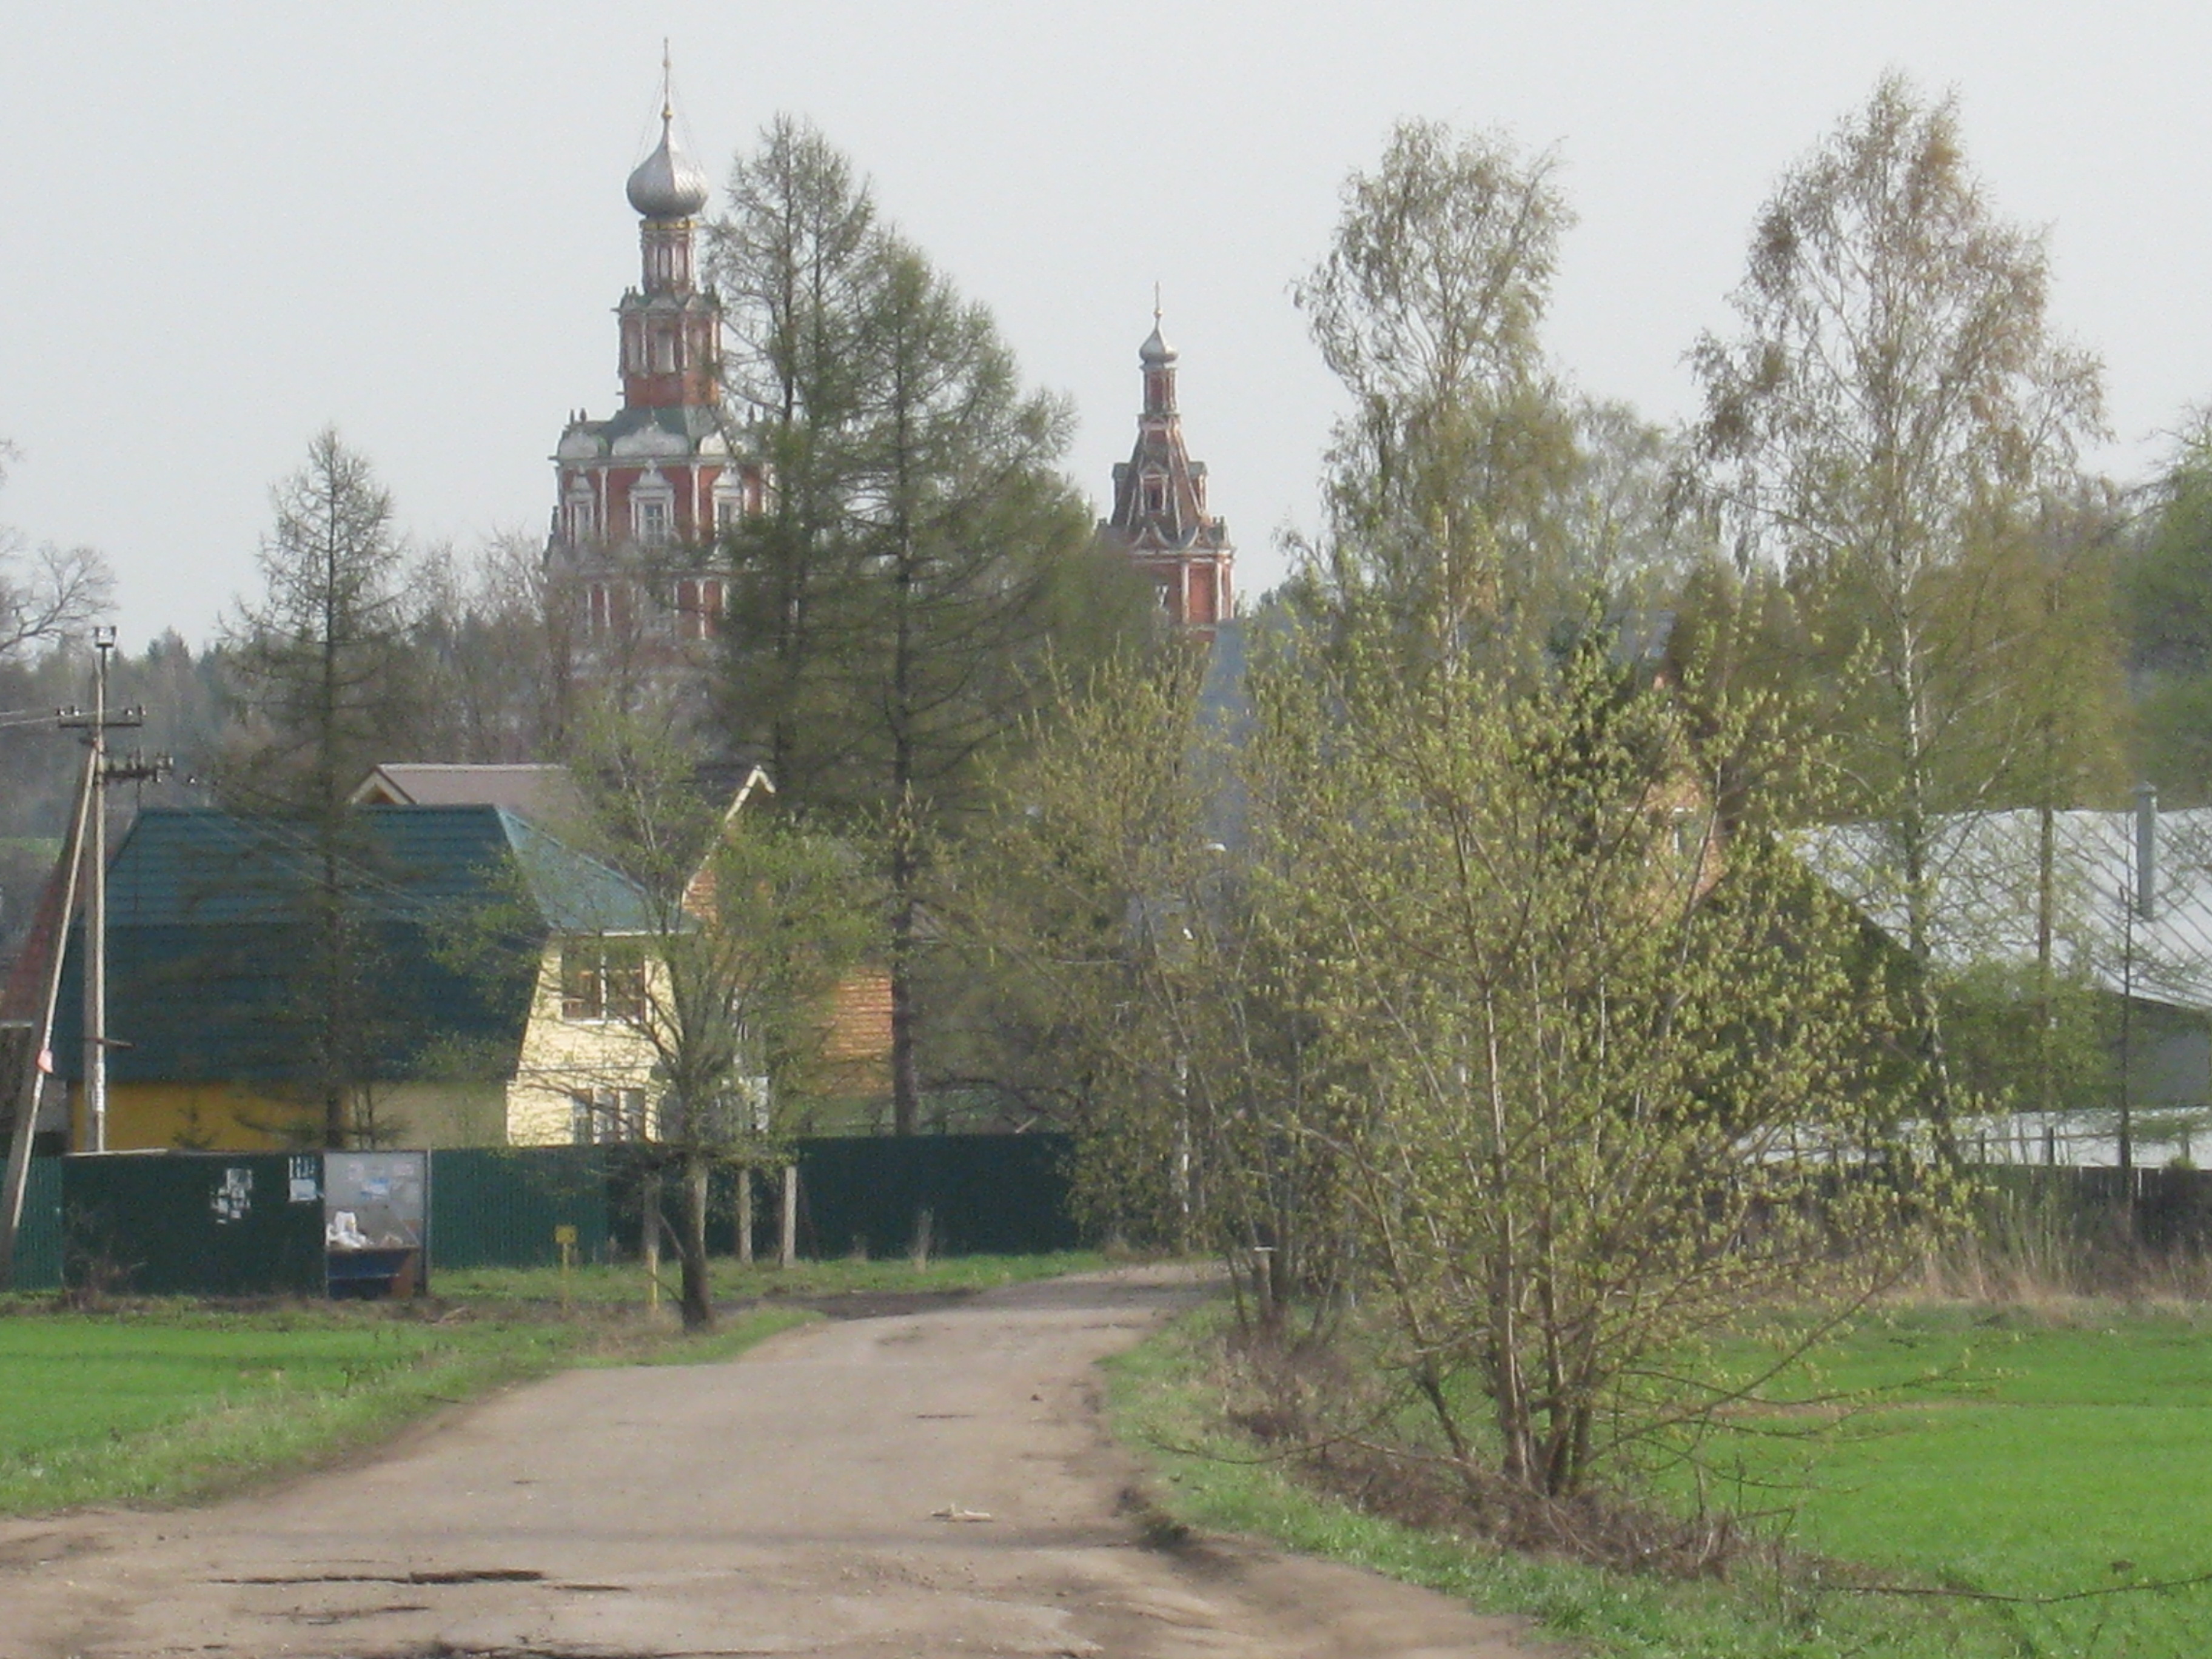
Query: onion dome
x=1156, y=350
x=668, y=184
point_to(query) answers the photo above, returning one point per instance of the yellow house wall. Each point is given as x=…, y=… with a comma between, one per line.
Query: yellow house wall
x=232, y=1118
x=222, y=1116
x=435, y=1115
x=562, y=1059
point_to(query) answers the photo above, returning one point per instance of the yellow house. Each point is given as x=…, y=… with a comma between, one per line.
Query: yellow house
x=464, y=981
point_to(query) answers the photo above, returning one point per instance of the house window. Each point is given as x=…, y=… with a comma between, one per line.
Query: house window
x=652, y=520
x=602, y=1117
x=1155, y=496
x=603, y=982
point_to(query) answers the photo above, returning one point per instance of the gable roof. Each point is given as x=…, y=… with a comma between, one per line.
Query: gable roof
x=1983, y=868
x=200, y=866
x=211, y=939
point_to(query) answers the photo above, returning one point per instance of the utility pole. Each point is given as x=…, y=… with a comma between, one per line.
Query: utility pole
x=96, y=726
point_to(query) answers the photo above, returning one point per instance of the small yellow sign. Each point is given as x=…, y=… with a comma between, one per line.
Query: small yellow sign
x=564, y=1235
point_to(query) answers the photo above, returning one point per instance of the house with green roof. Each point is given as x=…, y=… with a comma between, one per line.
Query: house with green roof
x=462, y=977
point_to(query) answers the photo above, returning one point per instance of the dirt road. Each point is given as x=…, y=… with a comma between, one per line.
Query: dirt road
x=929, y=1485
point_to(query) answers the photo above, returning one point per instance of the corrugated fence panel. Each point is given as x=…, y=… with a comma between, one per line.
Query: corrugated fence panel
x=984, y=1194
x=223, y=1223
x=191, y=1224
x=2172, y=1209
x=498, y=1206
x=38, y=1241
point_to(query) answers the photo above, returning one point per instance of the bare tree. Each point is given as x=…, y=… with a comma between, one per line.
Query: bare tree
x=48, y=591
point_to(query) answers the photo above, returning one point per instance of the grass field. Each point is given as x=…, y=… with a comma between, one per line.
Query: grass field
x=2034, y=1454
x=2063, y=1454
x=167, y=1400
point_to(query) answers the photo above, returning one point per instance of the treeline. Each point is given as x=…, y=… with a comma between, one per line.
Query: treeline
x=893, y=612
x=1470, y=959
x=1880, y=522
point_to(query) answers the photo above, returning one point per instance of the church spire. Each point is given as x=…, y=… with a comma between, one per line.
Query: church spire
x=1158, y=358
x=1160, y=521
x=668, y=185
x=671, y=330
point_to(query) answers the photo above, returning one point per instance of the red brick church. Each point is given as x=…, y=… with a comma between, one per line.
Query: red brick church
x=1160, y=520
x=644, y=493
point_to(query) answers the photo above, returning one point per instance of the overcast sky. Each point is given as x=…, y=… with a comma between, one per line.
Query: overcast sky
x=227, y=226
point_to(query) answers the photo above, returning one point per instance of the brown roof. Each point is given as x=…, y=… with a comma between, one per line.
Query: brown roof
x=543, y=793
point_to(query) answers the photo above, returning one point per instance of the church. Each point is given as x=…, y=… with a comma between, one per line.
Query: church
x=644, y=496
x=1160, y=521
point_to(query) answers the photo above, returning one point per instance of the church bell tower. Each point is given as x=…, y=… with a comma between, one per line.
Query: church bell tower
x=1160, y=521
x=644, y=494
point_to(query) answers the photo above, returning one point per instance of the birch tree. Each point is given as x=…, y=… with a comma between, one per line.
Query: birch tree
x=751, y=920
x=1444, y=478
x=1884, y=425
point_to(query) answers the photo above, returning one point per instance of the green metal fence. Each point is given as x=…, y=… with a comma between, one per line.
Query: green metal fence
x=38, y=1241
x=224, y=1224
x=192, y=1224
x=499, y=1206
x=982, y=1194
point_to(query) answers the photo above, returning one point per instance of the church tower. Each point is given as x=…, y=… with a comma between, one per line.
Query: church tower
x=1160, y=522
x=644, y=493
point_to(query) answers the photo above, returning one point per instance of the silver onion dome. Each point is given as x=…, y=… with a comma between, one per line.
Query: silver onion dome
x=1155, y=350
x=668, y=184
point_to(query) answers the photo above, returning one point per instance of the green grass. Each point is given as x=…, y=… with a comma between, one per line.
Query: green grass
x=167, y=1400
x=2033, y=1454
x=2018, y=1455
x=596, y=1286
x=164, y=1403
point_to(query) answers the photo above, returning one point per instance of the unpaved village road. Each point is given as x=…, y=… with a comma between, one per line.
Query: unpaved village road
x=786, y=1503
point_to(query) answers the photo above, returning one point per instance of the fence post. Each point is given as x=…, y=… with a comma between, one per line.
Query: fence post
x=787, y=1243
x=649, y=1244
x=745, y=1214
